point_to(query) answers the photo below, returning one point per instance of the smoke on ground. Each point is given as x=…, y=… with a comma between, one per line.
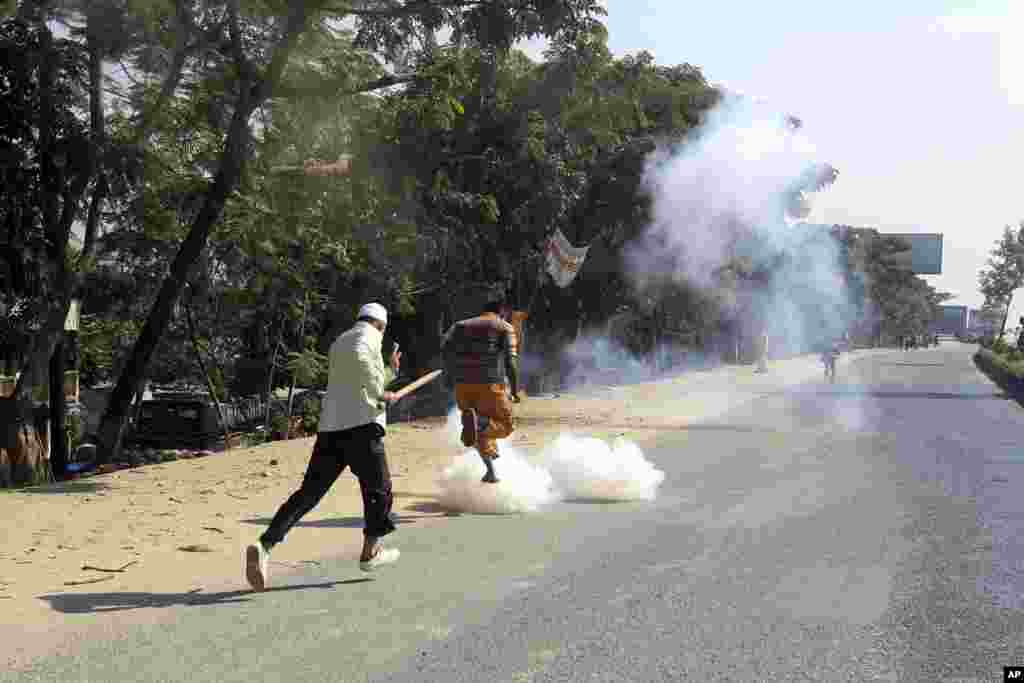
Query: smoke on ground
x=524, y=487
x=586, y=468
x=570, y=468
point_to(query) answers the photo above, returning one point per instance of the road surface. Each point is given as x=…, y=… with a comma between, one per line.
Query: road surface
x=868, y=530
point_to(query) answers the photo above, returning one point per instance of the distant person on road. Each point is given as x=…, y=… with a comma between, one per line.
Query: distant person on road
x=479, y=353
x=352, y=423
x=762, y=352
x=830, y=351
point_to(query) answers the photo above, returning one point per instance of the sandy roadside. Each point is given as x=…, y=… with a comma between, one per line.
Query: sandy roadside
x=178, y=529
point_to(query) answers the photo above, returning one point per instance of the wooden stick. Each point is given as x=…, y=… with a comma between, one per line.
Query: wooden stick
x=425, y=379
x=89, y=567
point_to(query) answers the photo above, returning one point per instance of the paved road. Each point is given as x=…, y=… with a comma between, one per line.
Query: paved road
x=862, y=531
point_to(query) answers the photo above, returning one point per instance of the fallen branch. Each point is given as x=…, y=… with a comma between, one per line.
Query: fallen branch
x=196, y=548
x=235, y=497
x=89, y=567
x=87, y=581
x=213, y=528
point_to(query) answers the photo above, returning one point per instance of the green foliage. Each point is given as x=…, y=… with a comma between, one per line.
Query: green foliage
x=311, y=414
x=279, y=426
x=1007, y=374
x=309, y=367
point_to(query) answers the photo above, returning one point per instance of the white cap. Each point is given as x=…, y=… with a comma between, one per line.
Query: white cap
x=375, y=311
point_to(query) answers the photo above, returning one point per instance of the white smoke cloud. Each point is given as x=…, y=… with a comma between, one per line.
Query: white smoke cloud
x=524, y=487
x=724, y=196
x=589, y=469
x=570, y=468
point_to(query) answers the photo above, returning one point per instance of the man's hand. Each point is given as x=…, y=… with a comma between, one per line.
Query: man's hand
x=390, y=397
x=516, y=398
x=396, y=361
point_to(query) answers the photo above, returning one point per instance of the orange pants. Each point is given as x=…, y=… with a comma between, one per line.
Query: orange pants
x=490, y=401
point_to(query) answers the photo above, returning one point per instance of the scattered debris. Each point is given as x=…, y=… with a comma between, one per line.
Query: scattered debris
x=89, y=567
x=213, y=528
x=196, y=548
x=175, y=500
x=236, y=497
x=273, y=462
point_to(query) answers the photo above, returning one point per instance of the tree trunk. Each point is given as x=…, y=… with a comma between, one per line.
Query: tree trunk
x=112, y=426
x=22, y=450
x=251, y=95
x=206, y=374
x=58, y=415
x=270, y=381
x=1006, y=314
x=302, y=346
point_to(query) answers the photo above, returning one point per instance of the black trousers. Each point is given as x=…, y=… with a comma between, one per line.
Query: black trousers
x=362, y=449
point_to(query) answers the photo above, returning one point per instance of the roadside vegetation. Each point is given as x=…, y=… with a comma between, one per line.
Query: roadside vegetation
x=142, y=146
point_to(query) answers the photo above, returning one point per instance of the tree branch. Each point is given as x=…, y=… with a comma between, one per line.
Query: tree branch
x=369, y=86
x=405, y=10
x=297, y=16
x=174, y=76
x=245, y=68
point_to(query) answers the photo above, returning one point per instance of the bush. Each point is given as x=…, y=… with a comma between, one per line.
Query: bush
x=311, y=416
x=279, y=427
x=1009, y=375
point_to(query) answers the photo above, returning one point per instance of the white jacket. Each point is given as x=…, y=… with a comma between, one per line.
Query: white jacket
x=357, y=378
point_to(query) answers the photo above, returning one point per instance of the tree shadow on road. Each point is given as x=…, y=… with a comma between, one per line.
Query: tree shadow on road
x=91, y=603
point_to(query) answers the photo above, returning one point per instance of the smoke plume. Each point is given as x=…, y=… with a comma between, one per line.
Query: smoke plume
x=726, y=206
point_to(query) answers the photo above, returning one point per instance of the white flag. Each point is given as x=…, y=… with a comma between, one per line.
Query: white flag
x=563, y=259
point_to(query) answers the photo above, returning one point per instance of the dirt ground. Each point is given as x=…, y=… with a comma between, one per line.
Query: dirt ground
x=139, y=539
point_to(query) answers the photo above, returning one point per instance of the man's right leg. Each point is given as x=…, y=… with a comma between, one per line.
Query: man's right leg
x=370, y=465
x=325, y=465
x=496, y=409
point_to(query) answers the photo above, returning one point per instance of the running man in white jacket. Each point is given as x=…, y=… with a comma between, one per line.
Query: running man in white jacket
x=352, y=422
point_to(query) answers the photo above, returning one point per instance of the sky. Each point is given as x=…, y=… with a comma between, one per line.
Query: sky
x=918, y=103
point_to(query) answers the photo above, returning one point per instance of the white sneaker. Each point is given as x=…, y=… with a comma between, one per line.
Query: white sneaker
x=257, y=566
x=384, y=556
